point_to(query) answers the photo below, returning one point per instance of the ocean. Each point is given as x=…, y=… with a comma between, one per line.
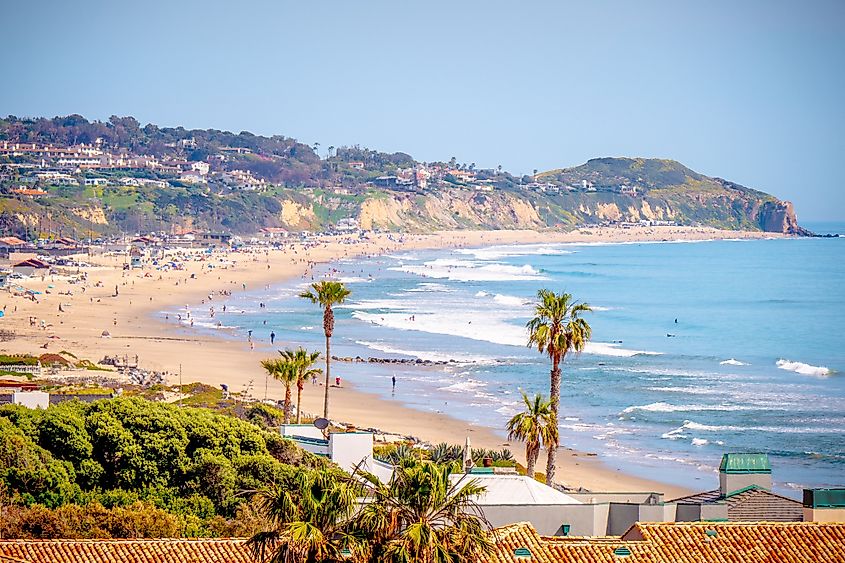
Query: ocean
x=698, y=348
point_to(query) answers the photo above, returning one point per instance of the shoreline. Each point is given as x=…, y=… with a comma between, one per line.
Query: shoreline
x=133, y=321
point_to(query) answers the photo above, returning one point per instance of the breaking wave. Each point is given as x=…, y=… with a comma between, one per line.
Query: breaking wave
x=803, y=369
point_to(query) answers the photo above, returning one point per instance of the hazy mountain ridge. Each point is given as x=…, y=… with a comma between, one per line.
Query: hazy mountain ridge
x=291, y=186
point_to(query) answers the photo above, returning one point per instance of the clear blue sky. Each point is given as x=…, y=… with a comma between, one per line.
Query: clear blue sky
x=751, y=91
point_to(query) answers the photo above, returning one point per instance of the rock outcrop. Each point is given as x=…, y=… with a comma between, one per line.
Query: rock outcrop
x=779, y=217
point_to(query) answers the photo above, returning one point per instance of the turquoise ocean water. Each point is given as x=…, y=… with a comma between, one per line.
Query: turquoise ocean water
x=755, y=361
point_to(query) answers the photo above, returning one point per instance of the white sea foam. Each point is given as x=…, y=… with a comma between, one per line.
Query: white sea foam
x=466, y=270
x=482, y=294
x=732, y=362
x=611, y=349
x=484, y=326
x=406, y=256
x=353, y=279
x=499, y=252
x=598, y=308
x=431, y=287
x=510, y=300
x=667, y=407
x=368, y=304
x=428, y=355
x=690, y=425
x=699, y=442
x=803, y=369
x=686, y=390
x=463, y=386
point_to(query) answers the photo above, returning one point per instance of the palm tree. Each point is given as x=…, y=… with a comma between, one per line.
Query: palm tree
x=423, y=515
x=271, y=367
x=283, y=370
x=556, y=329
x=302, y=361
x=308, y=518
x=535, y=426
x=327, y=294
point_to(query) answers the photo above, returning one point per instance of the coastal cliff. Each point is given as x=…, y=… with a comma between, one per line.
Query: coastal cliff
x=138, y=179
x=602, y=190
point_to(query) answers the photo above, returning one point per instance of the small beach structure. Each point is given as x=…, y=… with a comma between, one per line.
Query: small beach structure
x=30, y=267
x=136, y=257
x=347, y=449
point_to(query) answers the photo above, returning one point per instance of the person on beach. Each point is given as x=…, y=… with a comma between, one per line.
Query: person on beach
x=249, y=335
x=272, y=337
x=394, y=381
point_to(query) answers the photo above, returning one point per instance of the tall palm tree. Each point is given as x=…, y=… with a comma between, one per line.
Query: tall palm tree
x=422, y=515
x=557, y=329
x=327, y=294
x=308, y=518
x=535, y=426
x=302, y=361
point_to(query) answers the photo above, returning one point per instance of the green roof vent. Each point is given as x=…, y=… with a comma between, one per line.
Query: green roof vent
x=622, y=552
x=824, y=498
x=522, y=552
x=711, y=533
x=745, y=463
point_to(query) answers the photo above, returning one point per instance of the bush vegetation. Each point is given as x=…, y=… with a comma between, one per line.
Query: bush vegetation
x=131, y=467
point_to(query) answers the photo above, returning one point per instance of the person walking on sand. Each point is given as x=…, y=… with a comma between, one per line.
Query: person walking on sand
x=272, y=337
x=394, y=381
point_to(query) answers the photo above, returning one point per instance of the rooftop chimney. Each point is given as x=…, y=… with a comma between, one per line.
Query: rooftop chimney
x=740, y=471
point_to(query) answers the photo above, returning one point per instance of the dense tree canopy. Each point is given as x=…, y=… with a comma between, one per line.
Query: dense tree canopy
x=140, y=456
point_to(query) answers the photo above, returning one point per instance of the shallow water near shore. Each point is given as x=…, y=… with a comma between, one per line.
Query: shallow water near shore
x=698, y=348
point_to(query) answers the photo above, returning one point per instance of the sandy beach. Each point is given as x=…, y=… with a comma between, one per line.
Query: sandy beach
x=74, y=321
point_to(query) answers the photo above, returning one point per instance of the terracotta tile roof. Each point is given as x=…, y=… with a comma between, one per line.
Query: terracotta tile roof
x=221, y=550
x=671, y=542
x=745, y=542
x=753, y=504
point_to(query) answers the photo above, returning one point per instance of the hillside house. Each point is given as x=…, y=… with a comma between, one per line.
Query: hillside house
x=30, y=193
x=192, y=177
